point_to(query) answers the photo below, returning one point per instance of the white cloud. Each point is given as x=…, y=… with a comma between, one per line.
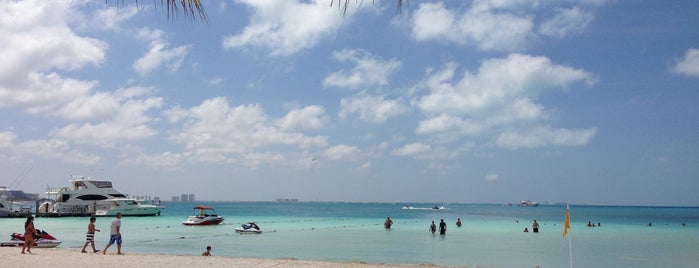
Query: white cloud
x=492, y=177
x=566, y=20
x=215, y=131
x=163, y=161
x=36, y=40
x=306, y=118
x=118, y=116
x=285, y=27
x=56, y=149
x=112, y=18
x=501, y=95
x=368, y=70
x=158, y=54
x=543, y=136
x=371, y=108
x=340, y=152
x=6, y=139
x=484, y=28
x=412, y=149
x=498, y=25
x=689, y=65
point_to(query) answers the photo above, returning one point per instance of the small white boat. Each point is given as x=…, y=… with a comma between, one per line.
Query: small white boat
x=203, y=216
x=528, y=203
x=249, y=228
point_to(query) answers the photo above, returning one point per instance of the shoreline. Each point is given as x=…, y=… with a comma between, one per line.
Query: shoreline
x=69, y=257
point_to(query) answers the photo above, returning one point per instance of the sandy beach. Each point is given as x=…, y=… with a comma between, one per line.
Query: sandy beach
x=60, y=257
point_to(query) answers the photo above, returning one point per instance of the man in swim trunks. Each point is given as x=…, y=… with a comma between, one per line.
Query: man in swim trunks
x=115, y=234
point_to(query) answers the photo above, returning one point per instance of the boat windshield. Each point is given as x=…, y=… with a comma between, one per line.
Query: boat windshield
x=102, y=184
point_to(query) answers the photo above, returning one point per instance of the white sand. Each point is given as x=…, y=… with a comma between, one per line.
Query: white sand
x=72, y=258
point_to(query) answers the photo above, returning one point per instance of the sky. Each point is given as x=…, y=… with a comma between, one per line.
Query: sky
x=486, y=101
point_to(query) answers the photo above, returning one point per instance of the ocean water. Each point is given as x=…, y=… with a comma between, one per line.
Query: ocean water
x=491, y=235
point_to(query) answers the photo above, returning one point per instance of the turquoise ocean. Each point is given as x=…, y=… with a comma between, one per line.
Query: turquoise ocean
x=491, y=236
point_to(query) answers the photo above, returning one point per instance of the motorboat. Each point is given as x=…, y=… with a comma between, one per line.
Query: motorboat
x=86, y=197
x=407, y=207
x=439, y=207
x=5, y=207
x=249, y=228
x=45, y=240
x=528, y=203
x=128, y=206
x=203, y=215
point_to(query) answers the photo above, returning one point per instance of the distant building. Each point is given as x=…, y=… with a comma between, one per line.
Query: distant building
x=175, y=199
x=191, y=197
x=184, y=198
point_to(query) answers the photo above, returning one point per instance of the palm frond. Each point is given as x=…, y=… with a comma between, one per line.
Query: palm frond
x=191, y=9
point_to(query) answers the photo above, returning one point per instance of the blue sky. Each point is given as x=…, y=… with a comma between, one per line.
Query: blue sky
x=585, y=102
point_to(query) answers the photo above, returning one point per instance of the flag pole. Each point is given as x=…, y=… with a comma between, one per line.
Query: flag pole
x=570, y=251
x=566, y=226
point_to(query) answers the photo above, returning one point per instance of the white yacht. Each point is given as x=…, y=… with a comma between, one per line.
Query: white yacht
x=5, y=207
x=86, y=196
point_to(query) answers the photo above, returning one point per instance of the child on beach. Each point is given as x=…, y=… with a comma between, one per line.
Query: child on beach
x=91, y=235
x=207, y=252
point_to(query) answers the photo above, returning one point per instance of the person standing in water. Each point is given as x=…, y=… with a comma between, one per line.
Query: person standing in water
x=442, y=227
x=433, y=227
x=388, y=223
x=535, y=227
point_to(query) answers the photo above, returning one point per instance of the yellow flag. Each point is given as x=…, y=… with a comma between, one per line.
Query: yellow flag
x=566, y=225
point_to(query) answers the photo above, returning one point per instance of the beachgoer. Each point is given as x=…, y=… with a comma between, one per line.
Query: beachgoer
x=458, y=222
x=589, y=224
x=91, y=235
x=29, y=233
x=388, y=223
x=442, y=227
x=114, y=234
x=535, y=227
x=207, y=252
x=599, y=224
x=433, y=227
x=525, y=230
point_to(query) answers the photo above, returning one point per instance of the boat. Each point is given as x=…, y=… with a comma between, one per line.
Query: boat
x=407, y=207
x=87, y=197
x=45, y=240
x=5, y=207
x=203, y=216
x=249, y=228
x=439, y=207
x=127, y=206
x=528, y=203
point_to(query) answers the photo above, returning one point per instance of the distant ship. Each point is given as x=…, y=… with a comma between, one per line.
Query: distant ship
x=528, y=203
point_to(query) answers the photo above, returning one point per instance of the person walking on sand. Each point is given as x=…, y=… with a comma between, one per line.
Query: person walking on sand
x=433, y=227
x=91, y=235
x=442, y=227
x=207, y=252
x=29, y=233
x=535, y=227
x=114, y=234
